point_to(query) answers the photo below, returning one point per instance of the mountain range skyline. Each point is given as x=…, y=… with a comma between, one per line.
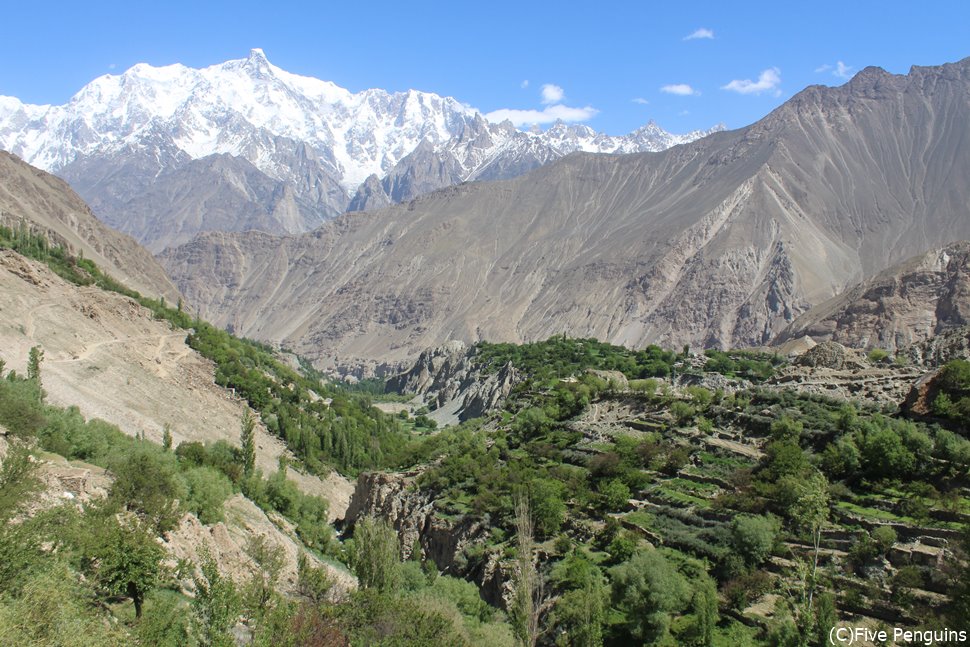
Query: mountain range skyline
x=164, y=152
x=686, y=67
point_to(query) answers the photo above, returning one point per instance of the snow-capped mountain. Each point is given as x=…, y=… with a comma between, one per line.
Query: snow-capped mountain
x=123, y=139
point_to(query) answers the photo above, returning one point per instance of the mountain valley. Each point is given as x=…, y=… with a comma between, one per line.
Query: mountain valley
x=534, y=388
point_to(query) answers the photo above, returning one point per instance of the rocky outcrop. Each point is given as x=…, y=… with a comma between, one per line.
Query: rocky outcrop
x=832, y=356
x=442, y=539
x=453, y=385
x=904, y=305
x=831, y=369
x=940, y=349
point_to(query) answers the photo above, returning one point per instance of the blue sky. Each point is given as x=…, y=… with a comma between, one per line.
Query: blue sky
x=612, y=65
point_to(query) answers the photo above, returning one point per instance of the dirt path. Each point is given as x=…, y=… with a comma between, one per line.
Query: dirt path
x=734, y=446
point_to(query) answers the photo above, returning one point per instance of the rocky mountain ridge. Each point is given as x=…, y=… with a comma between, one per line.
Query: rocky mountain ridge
x=452, y=385
x=47, y=206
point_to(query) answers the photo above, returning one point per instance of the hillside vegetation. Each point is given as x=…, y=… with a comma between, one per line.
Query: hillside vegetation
x=628, y=497
x=688, y=515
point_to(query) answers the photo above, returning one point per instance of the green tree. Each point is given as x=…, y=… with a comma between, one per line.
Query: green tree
x=786, y=428
x=942, y=405
x=216, y=604
x=208, y=489
x=646, y=590
x=783, y=458
x=146, y=483
x=247, y=439
x=167, y=437
x=826, y=617
x=547, y=506
x=17, y=480
x=753, y=537
x=313, y=583
x=270, y=559
x=34, y=357
x=884, y=455
x=527, y=604
x=616, y=494
x=810, y=512
x=20, y=410
x=842, y=458
x=580, y=612
x=20, y=544
x=377, y=560
x=127, y=560
x=704, y=615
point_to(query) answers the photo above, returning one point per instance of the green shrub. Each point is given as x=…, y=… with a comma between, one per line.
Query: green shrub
x=753, y=537
x=208, y=489
x=147, y=483
x=877, y=355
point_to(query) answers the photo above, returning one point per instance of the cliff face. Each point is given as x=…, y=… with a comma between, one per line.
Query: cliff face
x=908, y=303
x=938, y=350
x=395, y=499
x=452, y=385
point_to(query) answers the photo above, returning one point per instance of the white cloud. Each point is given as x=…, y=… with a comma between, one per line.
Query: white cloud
x=552, y=97
x=524, y=84
x=552, y=94
x=842, y=70
x=547, y=115
x=768, y=81
x=703, y=32
x=640, y=100
x=681, y=89
x=112, y=66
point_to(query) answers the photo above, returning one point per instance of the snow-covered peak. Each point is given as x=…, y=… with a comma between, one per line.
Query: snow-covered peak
x=248, y=107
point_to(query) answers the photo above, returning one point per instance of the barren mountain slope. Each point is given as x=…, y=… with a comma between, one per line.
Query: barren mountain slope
x=162, y=199
x=721, y=242
x=106, y=355
x=910, y=302
x=47, y=204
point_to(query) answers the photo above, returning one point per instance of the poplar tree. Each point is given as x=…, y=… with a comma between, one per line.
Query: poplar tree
x=248, y=442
